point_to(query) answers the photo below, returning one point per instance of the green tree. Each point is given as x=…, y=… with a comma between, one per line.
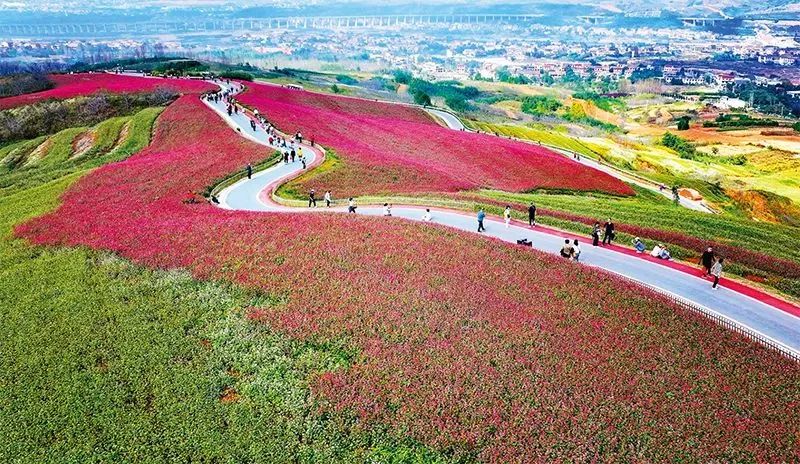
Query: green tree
x=540, y=105
x=796, y=126
x=336, y=89
x=683, y=123
x=422, y=98
x=402, y=77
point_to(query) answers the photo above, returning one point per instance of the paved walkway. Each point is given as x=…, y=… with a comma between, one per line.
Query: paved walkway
x=773, y=319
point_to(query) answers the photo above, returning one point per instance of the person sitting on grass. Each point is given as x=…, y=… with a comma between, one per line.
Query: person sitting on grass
x=656, y=251
x=638, y=245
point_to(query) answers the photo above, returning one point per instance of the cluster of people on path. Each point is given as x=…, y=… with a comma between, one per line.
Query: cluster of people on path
x=571, y=249
x=327, y=198
x=712, y=264
x=608, y=230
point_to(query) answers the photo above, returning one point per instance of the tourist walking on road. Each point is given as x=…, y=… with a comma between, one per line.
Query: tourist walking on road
x=427, y=216
x=507, y=215
x=576, y=250
x=253, y=124
x=707, y=260
x=351, y=205
x=532, y=215
x=312, y=198
x=387, y=209
x=596, y=234
x=716, y=271
x=285, y=157
x=249, y=170
x=567, y=250
x=608, y=234
x=328, y=199
x=481, y=217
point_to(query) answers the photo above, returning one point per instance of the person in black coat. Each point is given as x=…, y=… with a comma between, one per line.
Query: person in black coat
x=596, y=234
x=249, y=170
x=707, y=260
x=608, y=234
x=532, y=215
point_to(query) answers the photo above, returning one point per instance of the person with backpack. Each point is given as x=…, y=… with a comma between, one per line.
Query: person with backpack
x=567, y=250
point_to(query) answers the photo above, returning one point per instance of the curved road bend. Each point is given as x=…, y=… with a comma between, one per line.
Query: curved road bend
x=773, y=319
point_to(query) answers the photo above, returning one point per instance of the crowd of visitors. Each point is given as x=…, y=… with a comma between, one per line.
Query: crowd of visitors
x=600, y=234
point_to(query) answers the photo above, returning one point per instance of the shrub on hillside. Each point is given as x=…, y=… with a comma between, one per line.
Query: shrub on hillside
x=683, y=147
x=238, y=75
x=346, y=80
x=540, y=105
x=19, y=84
x=51, y=116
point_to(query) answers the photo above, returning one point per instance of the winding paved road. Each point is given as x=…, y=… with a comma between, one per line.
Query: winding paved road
x=769, y=318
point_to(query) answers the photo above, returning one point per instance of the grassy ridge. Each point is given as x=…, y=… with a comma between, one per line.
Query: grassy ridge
x=23, y=168
x=546, y=137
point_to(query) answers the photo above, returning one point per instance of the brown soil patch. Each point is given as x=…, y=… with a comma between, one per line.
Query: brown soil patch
x=593, y=111
x=766, y=207
x=38, y=153
x=229, y=395
x=82, y=144
x=123, y=135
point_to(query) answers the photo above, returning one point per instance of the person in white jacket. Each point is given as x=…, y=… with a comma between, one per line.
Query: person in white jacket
x=716, y=271
x=507, y=216
x=427, y=216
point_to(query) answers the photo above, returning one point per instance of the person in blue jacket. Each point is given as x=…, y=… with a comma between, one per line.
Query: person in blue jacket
x=481, y=217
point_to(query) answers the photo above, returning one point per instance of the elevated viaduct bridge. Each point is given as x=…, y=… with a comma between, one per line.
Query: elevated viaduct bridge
x=249, y=25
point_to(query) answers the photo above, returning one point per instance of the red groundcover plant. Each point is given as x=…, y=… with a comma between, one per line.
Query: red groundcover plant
x=76, y=85
x=473, y=347
x=388, y=148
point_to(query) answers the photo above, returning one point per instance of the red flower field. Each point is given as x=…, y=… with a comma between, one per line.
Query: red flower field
x=503, y=354
x=75, y=85
x=387, y=148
